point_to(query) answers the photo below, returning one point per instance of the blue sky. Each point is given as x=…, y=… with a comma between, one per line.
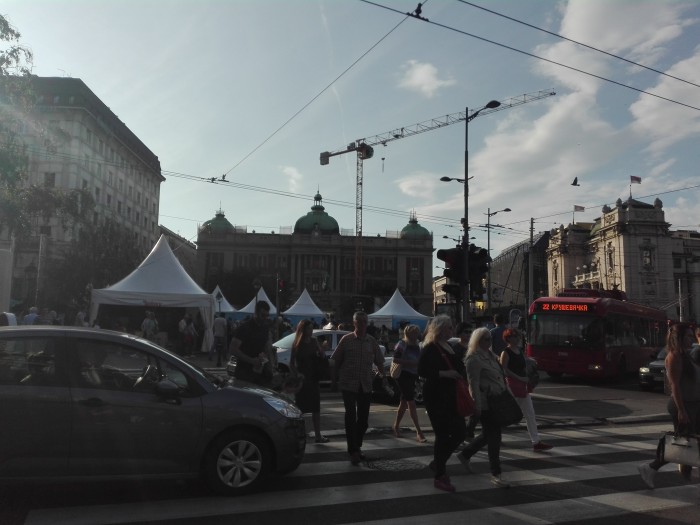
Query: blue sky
x=206, y=84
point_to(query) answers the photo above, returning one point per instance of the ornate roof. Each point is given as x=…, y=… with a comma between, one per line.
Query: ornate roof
x=317, y=220
x=413, y=230
x=218, y=225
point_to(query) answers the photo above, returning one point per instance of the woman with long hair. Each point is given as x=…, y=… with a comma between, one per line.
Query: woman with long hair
x=515, y=367
x=441, y=369
x=684, y=404
x=307, y=359
x=486, y=378
x=407, y=353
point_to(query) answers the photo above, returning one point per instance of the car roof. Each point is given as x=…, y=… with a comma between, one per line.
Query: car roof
x=288, y=340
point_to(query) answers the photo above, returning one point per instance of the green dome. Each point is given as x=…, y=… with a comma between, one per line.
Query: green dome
x=413, y=230
x=218, y=225
x=317, y=220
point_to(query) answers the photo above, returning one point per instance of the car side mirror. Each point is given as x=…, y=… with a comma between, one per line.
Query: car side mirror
x=169, y=391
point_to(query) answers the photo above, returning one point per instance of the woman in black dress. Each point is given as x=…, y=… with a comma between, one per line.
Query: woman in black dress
x=308, y=359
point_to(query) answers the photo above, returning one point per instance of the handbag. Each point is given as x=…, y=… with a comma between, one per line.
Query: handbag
x=394, y=370
x=533, y=374
x=517, y=387
x=464, y=401
x=681, y=449
x=504, y=409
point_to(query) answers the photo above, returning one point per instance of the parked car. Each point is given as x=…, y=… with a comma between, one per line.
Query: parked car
x=86, y=403
x=653, y=375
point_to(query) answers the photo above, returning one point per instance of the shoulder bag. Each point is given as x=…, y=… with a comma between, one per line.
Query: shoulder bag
x=394, y=370
x=681, y=449
x=464, y=401
x=503, y=408
x=533, y=375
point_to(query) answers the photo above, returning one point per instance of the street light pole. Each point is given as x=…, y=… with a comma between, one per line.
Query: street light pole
x=488, y=249
x=465, y=220
x=465, y=243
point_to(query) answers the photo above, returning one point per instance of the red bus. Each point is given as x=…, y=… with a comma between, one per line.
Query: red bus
x=589, y=333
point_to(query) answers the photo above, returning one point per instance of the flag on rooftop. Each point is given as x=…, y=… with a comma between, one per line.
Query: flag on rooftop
x=635, y=180
x=579, y=208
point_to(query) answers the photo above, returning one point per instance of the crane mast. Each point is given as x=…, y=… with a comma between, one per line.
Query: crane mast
x=364, y=148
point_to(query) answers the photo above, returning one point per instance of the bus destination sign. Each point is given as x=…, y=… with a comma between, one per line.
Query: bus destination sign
x=553, y=306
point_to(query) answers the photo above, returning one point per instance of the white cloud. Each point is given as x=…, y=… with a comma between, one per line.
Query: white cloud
x=294, y=178
x=422, y=78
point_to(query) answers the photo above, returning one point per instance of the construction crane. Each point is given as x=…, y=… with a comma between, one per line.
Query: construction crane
x=365, y=150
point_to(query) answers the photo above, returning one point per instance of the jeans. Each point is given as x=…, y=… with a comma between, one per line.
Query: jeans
x=491, y=437
x=450, y=431
x=356, y=418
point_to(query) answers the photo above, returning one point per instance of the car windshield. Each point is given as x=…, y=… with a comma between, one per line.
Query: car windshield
x=286, y=342
x=569, y=330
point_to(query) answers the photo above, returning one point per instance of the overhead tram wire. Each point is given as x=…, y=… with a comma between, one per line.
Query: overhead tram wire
x=319, y=93
x=532, y=55
x=613, y=55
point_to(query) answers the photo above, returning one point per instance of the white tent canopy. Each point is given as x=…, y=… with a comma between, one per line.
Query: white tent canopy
x=260, y=296
x=223, y=305
x=397, y=310
x=159, y=281
x=304, y=308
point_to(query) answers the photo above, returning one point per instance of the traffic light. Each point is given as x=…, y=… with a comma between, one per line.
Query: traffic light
x=453, y=290
x=280, y=285
x=478, y=267
x=454, y=263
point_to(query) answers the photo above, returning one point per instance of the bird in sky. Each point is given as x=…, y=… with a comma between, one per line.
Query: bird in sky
x=575, y=183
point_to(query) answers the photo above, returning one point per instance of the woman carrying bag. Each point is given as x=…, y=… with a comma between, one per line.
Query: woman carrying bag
x=514, y=365
x=406, y=354
x=683, y=377
x=486, y=379
x=442, y=369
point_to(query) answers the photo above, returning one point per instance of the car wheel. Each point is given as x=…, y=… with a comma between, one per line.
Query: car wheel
x=237, y=462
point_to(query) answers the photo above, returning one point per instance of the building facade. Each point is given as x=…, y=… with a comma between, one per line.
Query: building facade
x=74, y=141
x=630, y=248
x=316, y=255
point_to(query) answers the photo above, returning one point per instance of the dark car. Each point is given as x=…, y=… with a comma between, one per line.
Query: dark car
x=85, y=403
x=653, y=375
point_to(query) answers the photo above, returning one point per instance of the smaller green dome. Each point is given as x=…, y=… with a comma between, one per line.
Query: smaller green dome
x=218, y=225
x=413, y=230
x=317, y=220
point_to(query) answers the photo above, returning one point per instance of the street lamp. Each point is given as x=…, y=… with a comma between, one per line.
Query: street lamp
x=490, y=214
x=218, y=299
x=465, y=243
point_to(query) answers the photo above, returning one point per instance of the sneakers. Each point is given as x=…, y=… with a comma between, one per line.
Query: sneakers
x=322, y=439
x=464, y=460
x=541, y=447
x=499, y=482
x=647, y=474
x=443, y=483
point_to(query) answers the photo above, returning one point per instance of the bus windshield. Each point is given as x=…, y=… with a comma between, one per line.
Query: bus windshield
x=574, y=331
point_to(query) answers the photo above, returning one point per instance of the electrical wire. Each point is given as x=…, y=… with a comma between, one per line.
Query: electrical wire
x=532, y=55
x=578, y=43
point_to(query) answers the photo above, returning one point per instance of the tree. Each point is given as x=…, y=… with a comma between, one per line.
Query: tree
x=101, y=256
x=22, y=205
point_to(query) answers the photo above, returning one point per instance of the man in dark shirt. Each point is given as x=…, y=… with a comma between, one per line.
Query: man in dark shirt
x=251, y=345
x=497, y=342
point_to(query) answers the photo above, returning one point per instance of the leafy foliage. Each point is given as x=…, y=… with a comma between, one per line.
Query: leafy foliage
x=101, y=256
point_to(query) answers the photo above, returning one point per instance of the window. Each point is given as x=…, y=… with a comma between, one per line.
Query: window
x=97, y=195
x=111, y=366
x=50, y=179
x=85, y=184
x=119, y=207
x=109, y=201
x=28, y=361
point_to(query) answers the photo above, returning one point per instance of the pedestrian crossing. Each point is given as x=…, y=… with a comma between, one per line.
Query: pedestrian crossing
x=591, y=474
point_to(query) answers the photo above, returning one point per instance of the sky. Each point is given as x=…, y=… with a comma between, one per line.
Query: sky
x=256, y=89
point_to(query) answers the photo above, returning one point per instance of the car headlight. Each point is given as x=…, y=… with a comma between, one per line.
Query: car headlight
x=285, y=408
x=644, y=370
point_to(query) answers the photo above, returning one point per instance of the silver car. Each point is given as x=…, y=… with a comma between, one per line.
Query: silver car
x=80, y=402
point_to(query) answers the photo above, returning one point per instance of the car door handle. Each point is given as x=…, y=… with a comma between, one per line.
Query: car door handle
x=92, y=402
